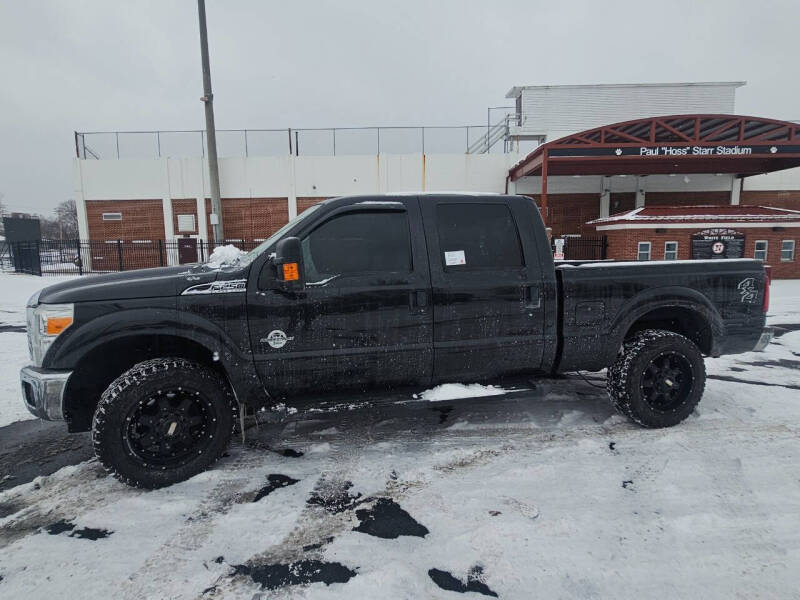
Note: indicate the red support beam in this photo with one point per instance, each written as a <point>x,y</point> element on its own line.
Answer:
<point>543,201</point>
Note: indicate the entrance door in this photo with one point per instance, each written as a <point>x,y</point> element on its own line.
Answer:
<point>187,250</point>
<point>488,307</point>
<point>364,317</point>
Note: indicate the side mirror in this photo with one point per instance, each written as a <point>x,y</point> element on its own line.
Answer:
<point>289,264</point>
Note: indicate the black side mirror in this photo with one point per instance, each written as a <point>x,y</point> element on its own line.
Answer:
<point>289,264</point>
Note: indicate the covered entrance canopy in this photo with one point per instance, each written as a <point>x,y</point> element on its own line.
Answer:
<point>665,145</point>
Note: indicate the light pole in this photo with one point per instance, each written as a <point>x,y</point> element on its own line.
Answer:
<point>211,133</point>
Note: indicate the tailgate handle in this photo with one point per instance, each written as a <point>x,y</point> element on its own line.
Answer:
<point>530,296</point>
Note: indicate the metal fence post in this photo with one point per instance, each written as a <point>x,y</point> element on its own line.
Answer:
<point>379,139</point>
<point>117,135</point>
<point>160,253</point>
<point>334,141</point>
<point>158,142</point>
<point>119,253</point>
<point>423,140</point>
<point>80,260</point>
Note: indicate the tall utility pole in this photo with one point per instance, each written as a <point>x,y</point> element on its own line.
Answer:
<point>211,132</point>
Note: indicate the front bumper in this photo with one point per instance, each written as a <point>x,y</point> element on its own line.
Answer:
<point>43,392</point>
<point>765,339</point>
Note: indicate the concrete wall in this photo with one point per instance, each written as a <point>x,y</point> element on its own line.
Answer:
<point>280,177</point>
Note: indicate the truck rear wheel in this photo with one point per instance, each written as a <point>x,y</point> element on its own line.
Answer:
<point>163,421</point>
<point>657,379</point>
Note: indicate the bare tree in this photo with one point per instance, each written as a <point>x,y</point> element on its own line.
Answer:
<point>2,214</point>
<point>67,218</point>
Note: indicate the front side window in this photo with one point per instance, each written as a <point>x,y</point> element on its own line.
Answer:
<point>787,250</point>
<point>643,251</point>
<point>670,250</point>
<point>478,236</point>
<point>761,250</point>
<point>358,242</point>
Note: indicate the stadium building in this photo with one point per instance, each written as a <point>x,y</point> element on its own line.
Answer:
<point>613,168</point>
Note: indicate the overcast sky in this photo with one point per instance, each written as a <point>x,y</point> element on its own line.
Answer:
<point>114,65</point>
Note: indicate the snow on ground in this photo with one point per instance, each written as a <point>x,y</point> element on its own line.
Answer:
<point>454,391</point>
<point>14,293</point>
<point>537,494</point>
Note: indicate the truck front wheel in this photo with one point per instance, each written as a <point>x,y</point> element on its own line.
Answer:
<point>163,421</point>
<point>657,379</point>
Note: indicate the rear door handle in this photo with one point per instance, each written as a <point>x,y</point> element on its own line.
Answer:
<point>531,296</point>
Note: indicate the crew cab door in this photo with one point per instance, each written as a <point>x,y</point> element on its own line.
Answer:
<point>488,313</point>
<point>364,316</point>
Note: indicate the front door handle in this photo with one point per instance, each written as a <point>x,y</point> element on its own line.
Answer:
<point>417,301</point>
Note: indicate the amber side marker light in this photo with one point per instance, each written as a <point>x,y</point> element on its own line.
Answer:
<point>291,272</point>
<point>56,325</point>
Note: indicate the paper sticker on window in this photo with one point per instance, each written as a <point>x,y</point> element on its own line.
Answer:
<point>456,257</point>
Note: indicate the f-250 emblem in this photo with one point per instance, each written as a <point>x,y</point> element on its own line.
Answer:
<point>276,339</point>
<point>747,288</point>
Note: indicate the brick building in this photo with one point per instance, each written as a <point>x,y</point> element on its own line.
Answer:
<point>705,232</point>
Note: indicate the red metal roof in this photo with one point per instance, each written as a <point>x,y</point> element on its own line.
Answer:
<point>727,213</point>
<point>670,144</point>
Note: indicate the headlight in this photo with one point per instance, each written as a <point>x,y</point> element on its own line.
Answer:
<point>45,323</point>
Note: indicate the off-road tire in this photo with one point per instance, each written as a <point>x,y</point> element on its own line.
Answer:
<point>142,380</point>
<point>626,377</point>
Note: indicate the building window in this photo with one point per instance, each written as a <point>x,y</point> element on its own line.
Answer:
<point>643,251</point>
<point>112,216</point>
<point>761,250</point>
<point>670,250</point>
<point>787,250</point>
<point>186,223</point>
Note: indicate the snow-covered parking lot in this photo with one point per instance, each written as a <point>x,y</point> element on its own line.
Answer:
<point>539,492</point>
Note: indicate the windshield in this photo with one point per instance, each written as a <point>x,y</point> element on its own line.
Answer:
<point>246,259</point>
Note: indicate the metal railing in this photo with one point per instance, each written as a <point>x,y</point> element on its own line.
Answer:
<point>85,257</point>
<point>332,141</point>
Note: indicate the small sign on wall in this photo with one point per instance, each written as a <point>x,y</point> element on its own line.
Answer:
<point>558,253</point>
<point>717,243</point>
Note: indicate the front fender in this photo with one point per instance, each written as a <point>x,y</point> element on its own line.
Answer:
<point>111,325</point>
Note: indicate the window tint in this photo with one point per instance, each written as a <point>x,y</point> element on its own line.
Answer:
<point>644,251</point>
<point>359,242</point>
<point>474,236</point>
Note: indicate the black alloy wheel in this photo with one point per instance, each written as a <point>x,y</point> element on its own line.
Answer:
<point>667,381</point>
<point>169,428</point>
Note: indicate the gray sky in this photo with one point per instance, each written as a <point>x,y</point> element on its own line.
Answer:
<point>105,65</point>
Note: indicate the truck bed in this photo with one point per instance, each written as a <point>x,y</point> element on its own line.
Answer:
<point>717,303</point>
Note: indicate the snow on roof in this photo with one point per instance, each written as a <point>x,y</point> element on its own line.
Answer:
<point>701,213</point>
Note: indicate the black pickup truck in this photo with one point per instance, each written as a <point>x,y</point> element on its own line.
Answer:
<point>363,292</point>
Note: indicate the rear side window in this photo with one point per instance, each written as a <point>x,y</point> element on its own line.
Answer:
<point>359,242</point>
<point>478,236</point>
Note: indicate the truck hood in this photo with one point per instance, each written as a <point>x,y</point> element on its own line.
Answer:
<point>143,283</point>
